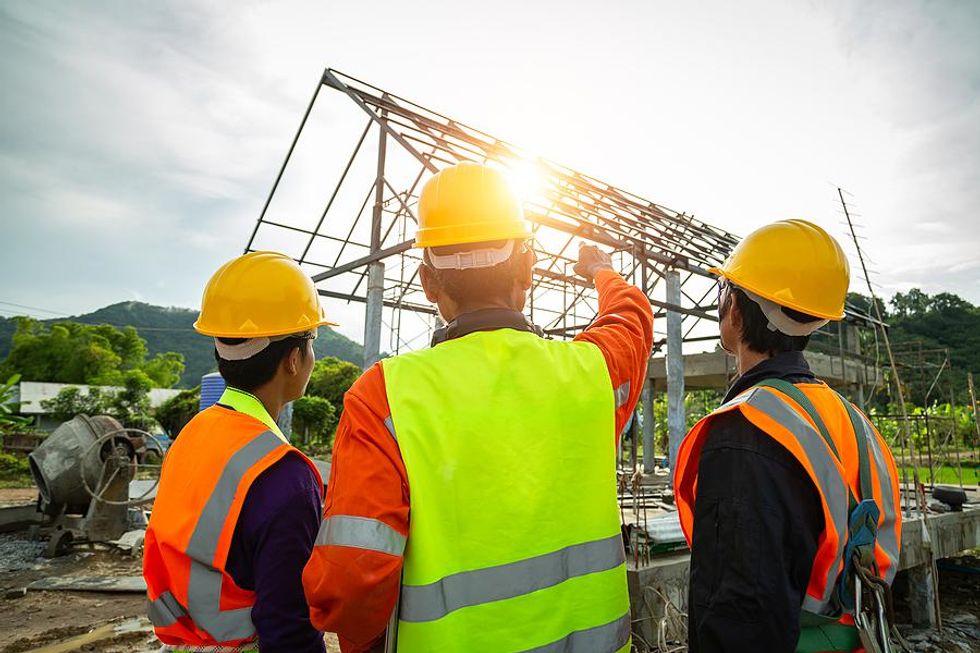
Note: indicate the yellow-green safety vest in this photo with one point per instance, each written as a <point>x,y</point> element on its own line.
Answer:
<point>514,537</point>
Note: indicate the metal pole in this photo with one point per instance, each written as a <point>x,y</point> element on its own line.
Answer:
<point>376,270</point>
<point>976,423</point>
<point>676,424</point>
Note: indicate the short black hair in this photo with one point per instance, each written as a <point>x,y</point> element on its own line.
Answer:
<point>755,326</point>
<point>258,370</point>
<point>493,283</point>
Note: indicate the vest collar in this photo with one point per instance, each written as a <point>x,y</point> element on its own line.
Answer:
<point>249,404</point>
<point>488,319</point>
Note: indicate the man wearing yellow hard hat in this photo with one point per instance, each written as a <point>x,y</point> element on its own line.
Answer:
<point>238,508</point>
<point>787,494</point>
<point>476,479</point>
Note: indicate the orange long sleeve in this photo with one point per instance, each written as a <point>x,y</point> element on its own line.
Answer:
<point>623,330</point>
<point>352,581</point>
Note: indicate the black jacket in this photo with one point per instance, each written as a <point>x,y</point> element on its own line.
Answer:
<point>757,519</point>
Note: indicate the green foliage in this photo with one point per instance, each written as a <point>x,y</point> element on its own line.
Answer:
<point>954,426</point>
<point>9,422</point>
<point>130,404</point>
<point>174,413</point>
<point>72,401</point>
<point>14,471</point>
<point>71,352</point>
<point>697,404</point>
<point>171,330</point>
<point>331,378</point>
<point>314,419</point>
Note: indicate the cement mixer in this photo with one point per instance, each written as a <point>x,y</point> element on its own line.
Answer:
<point>82,472</point>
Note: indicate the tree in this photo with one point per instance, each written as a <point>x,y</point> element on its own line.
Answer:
<point>174,413</point>
<point>315,418</point>
<point>72,401</point>
<point>331,378</point>
<point>73,353</point>
<point>131,405</point>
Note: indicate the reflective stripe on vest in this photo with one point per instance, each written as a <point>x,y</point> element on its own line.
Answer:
<point>887,526</point>
<point>436,600</point>
<point>360,533</point>
<point>204,585</point>
<point>514,539</point>
<point>828,477</point>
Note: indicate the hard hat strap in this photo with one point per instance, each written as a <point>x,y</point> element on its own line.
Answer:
<point>476,258</point>
<point>779,321</point>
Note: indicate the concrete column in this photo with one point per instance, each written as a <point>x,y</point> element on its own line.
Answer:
<point>854,345</point>
<point>676,424</point>
<point>649,425</point>
<point>372,315</point>
<point>376,270</point>
<point>922,596</point>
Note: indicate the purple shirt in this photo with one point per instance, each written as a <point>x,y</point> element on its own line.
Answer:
<point>273,540</point>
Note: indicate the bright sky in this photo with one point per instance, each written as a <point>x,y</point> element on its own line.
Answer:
<point>139,139</point>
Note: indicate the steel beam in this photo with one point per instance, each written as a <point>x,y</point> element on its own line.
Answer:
<point>676,424</point>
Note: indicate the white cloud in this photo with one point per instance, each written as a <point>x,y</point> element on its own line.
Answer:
<point>155,131</point>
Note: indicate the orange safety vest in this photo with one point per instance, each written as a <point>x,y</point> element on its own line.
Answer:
<point>192,600</point>
<point>834,467</point>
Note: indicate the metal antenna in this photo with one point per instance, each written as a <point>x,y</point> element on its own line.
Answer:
<point>906,436</point>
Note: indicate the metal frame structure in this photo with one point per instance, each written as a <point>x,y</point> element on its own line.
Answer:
<point>650,242</point>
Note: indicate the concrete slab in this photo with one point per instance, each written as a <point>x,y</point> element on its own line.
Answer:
<point>134,584</point>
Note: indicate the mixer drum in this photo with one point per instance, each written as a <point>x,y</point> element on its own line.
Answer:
<point>57,465</point>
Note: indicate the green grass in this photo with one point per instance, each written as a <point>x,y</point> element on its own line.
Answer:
<point>944,475</point>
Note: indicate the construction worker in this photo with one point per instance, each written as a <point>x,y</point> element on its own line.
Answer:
<point>787,488</point>
<point>238,508</point>
<point>476,479</point>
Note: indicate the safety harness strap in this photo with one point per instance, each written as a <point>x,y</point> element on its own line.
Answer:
<point>864,464</point>
<point>797,395</point>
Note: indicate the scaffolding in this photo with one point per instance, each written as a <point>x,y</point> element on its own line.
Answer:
<point>361,251</point>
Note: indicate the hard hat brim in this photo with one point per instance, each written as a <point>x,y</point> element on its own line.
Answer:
<point>206,330</point>
<point>472,233</point>
<point>721,272</point>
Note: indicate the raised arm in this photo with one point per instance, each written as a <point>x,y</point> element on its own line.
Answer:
<point>623,330</point>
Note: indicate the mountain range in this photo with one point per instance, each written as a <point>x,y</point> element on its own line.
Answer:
<point>171,329</point>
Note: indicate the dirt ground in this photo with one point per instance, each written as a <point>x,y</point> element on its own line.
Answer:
<point>17,496</point>
<point>63,622</point>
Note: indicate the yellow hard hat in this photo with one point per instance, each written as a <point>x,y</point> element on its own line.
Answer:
<point>793,263</point>
<point>469,203</point>
<point>259,294</point>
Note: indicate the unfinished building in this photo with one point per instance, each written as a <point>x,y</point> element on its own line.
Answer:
<point>357,245</point>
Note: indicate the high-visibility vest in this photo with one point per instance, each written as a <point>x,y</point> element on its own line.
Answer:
<point>834,467</point>
<point>514,538</point>
<point>192,599</point>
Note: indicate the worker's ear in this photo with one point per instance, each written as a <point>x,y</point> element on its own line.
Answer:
<point>294,361</point>
<point>734,313</point>
<point>528,259</point>
<point>430,284</point>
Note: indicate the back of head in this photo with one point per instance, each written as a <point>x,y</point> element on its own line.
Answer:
<point>472,230</point>
<point>258,308</point>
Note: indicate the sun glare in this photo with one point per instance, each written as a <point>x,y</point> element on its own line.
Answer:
<point>526,177</point>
